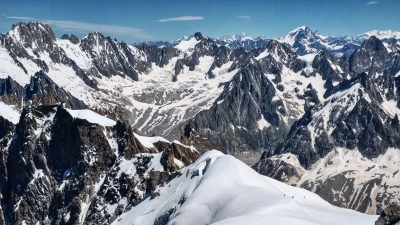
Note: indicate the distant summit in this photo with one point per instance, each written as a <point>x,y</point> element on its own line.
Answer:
<point>302,40</point>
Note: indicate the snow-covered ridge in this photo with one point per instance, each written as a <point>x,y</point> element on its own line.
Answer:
<point>9,113</point>
<point>238,37</point>
<point>219,189</point>
<point>380,34</point>
<point>149,142</point>
<point>91,117</point>
<point>311,41</point>
<point>187,45</point>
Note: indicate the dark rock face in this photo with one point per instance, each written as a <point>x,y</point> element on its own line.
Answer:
<point>391,215</point>
<point>40,35</point>
<point>6,133</point>
<point>322,63</point>
<point>43,91</point>
<point>160,56</point>
<point>245,101</point>
<point>349,198</point>
<point>11,92</point>
<point>40,91</point>
<point>56,169</point>
<point>108,58</point>
<point>286,56</point>
<point>39,164</point>
<point>173,150</point>
<point>277,169</point>
<point>356,124</point>
<point>352,116</point>
<point>73,39</point>
<point>191,137</point>
<point>369,58</point>
<point>128,146</point>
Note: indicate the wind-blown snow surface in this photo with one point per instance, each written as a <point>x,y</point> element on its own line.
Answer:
<point>92,117</point>
<point>10,68</point>
<point>187,45</point>
<point>219,189</point>
<point>9,113</point>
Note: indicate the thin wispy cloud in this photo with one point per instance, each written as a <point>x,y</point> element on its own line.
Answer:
<point>244,17</point>
<point>19,17</point>
<point>372,3</point>
<point>90,27</point>
<point>82,27</point>
<point>182,18</point>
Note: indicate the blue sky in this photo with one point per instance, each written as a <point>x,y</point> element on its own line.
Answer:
<point>133,21</point>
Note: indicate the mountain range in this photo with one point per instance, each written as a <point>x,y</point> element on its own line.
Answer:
<point>303,41</point>
<point>320,113</point>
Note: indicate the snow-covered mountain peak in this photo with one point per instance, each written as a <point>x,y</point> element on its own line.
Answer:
<point>373,44</point>
<point>184,38</point>
<point>187,45</point>
<point>33,35</point>
<point>236,37</point>
<point>303,31</point>
<point>385,34</point>
<point>299,29</point>
<point>219,189</point>
<point>94,35</point>
<point>199,36</point>
<point>302,40</point>
<point>32,26</point>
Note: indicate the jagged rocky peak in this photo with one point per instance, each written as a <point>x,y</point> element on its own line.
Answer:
<point>302,32</point>
<point>11,92</point>
<point>285,55</point>
<point>43,91</point>
<point>353,128</point>
<point>280,50</point>
<point>113,58</point>
<point>328,66</point>
<point>369,58</point>
<point>205,46</point>
<point>73,38</point>
<point>373,44</point>
<point>94,43</point>
<point>76,164</point>
<point>34,35</point>
<point>303,41</point>
<point>199,36</point>
<point>299,36</point>
<point>65,37</point>
<point>342,120</point>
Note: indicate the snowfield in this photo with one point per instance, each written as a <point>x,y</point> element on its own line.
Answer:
<point>9,113</point>
<point>92,117</point>
<point>219,189</point>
